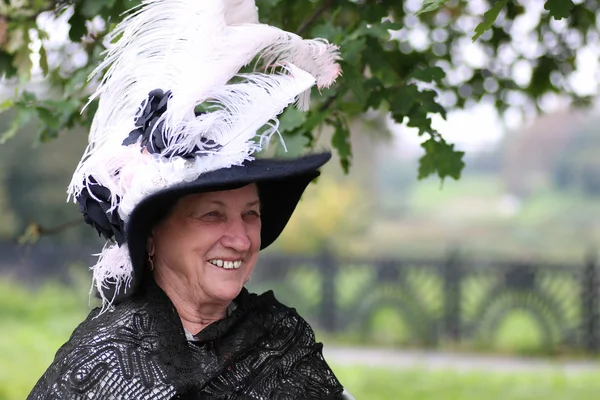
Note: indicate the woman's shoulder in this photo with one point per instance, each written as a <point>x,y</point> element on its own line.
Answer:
<point>101,354</point>
<point>268,303</point>
<point>267,300</point>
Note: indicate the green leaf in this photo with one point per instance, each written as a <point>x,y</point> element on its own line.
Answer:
<point>22,117</point>
<point>353,77</point>
<point>431,5</point>
<point>429,74</point>
<point>6,104</point>
<point>417,118</point>
<point>351,50</point>
<point>429,103</point>
<point>46,134</point>
<point>42,34</point>
<point>78,27</point>
<point>351,108</point>
<point>267,3</point>
<point>7,69</point>
<point>402,101</point>
<point>28,97</point>
<point>377,94</point>
<point>341,142</point>
<point>328,31</point>
<point>47,117</point>
<point>379,30</point>
<point>44,60</point>
<point>559,9</point>
<point>22,61</point>
<point>489,17</point>
<point>313,120</point>
<point>291,119</point>
<point>91,9</point>
<point>440,157</point>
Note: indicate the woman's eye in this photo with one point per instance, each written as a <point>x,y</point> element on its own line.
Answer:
<point>212,214</point>
<point>253,214</point>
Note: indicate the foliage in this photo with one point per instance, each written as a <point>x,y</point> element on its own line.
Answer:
<point>328,211</point>
<point>382,69</point>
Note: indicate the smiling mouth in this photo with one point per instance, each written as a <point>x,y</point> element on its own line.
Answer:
<point>226,264</point>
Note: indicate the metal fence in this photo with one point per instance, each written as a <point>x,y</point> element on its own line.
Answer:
<point>441,300</point>
<point>455,299</point>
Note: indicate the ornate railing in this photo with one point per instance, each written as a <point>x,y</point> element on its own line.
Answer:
<point>451,300</point>
<point>456,299</point>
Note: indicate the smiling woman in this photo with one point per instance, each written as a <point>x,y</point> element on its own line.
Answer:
<point>204,252</point>
<point>186,208</point>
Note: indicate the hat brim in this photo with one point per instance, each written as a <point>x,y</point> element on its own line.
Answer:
<point>281,183</point>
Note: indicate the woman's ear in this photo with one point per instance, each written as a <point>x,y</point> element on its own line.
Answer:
<point>150,244</point>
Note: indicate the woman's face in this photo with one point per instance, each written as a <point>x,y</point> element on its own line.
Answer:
<point>210,242</point>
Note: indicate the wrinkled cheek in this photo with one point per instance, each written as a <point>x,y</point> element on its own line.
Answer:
<point>248,271</point>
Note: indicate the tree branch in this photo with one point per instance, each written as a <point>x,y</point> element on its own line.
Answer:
<point>34,231</point>
<point>59,228</point>
<point>313,17</point>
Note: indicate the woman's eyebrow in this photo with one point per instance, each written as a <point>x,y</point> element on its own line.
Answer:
<point>249,204</point>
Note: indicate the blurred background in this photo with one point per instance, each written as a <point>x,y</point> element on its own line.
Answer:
<point>486,286</point>
<point>500,263</point>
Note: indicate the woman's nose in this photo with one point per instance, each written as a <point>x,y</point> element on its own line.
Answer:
<point>236,236</point>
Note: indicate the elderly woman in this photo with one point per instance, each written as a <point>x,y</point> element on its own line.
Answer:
<point>185,207</point>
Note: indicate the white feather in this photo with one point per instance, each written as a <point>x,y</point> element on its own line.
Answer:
<point>241,12</point>
<point>112,268</point>
<point>240,112</point>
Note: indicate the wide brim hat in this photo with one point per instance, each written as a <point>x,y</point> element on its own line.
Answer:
<point>186,120</point>
<point>280,183</point>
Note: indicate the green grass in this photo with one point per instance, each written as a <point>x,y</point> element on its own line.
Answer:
<point>34,324</point>
<point>421,384</point>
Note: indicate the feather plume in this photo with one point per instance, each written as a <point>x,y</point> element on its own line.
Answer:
<point>113,268</point>
<point>241,12</point>
<point>193,48</point>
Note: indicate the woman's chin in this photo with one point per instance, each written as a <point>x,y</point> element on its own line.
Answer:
<point>226,291</point>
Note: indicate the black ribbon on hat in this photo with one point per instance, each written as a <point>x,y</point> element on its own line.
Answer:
<point>150,130</point>
<point>94,204</point>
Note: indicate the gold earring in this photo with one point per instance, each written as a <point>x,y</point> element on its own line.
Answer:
<point>151,262</point>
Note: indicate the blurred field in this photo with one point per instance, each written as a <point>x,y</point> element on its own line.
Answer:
<point>478,215</point>
<point>415,384</point>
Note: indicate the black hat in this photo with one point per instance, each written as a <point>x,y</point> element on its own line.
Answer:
<point>280,183</point>
<point>176,117</point>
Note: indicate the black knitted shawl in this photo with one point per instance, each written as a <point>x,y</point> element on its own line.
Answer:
<point>262,350</point>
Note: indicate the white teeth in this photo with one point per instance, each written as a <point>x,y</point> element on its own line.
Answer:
<point>226,264</point>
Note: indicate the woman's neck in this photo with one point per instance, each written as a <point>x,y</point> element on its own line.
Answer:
<point>195,311</point>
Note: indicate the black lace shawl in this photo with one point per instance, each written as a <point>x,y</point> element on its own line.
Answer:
<point>262,350</point>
